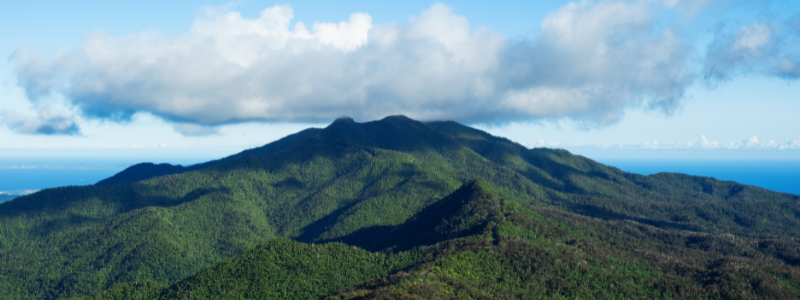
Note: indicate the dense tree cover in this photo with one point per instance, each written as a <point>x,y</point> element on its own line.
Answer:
<point>566,226</point>
<point>278,269</point>
<point>535,252</point>
<point>472,244</point>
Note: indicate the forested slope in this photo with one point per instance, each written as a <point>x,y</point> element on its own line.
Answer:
<point>371,185</point>
<point>473,244</point>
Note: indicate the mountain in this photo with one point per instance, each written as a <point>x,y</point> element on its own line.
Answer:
<point>400,208</point>
<point>7,197</point>
<point>144,171</point>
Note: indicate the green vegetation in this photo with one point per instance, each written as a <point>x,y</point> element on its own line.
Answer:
<point>374,210</point>
<point>539,252</point>
<point>278,269</point>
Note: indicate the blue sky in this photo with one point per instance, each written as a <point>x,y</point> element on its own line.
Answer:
<point>640,78</point>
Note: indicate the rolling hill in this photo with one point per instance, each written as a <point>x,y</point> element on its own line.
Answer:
<point>398,208</point>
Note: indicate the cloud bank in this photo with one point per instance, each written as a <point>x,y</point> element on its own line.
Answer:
<point>702,143</point>
<point>751,143</point>
<point>589,62</point>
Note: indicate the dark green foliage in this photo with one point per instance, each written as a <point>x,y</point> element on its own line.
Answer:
<point>556,255</point>
<point>284,269</point>
<point>465,212</point>
<point>143,289</point>
<point>566,226</point>
<point>511,251</point>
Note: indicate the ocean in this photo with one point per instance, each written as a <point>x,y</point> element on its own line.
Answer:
<point>777,175</point>
<point>23,175</point>
<point>13,180</point>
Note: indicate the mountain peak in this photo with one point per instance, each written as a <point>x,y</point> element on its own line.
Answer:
<point>397,118</point>
<point>344,119</point>
<point>397,132</point>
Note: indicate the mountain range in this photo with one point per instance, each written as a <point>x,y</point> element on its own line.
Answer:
<point>400,209</point>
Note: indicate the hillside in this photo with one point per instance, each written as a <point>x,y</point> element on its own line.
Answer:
<point>7,197</point>
<point>539,222</point>
<point>472,244</point>
<point>319,270</point>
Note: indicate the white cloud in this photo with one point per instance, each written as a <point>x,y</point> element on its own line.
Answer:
<point>194,129</point>
<point>758,47</point>
<point>752,37</point>
<point>771,144</point>
<point>653,145</point>
<point>754,143</point>
<point>751,143</point>
<point>47,121</point>
<point>591,61</point>
<point>246,41</point>
<point>791,144</point>
<point>703,142</point>
<point>731,53</point>
<point>18,192</point>
<point>690,7</point>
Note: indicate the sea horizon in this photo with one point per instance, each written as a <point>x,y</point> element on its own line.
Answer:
<point>25,175</point>
<point>779,175</point>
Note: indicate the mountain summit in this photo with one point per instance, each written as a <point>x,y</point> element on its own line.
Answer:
<point>398,208</point>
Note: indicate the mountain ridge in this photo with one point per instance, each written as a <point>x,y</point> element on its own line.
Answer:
<point>354,183</point>
<point>144,171</point>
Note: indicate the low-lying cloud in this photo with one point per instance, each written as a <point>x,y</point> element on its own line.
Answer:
<point>589,62</point>
<point>46,121</point>
<point>751,143</point>
<point>195,129</point>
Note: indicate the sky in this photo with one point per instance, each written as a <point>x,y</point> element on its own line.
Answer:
<point>702,79</point>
